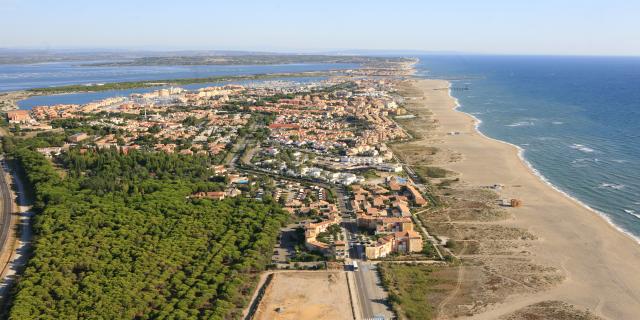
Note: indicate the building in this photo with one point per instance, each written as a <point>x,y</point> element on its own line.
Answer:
<point>338,249</point>
<point>18,116</point>
<point>404,242</point>
<point>417,197</point>
<point>407,242</point>
<point>214,195</point>
<point>380,249</point>
<point>390,167</point>
<point>284,126</point>
<point>361,160</point>
<point>78,137</point>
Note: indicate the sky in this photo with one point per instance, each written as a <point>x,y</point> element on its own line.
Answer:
<point>570,27</point>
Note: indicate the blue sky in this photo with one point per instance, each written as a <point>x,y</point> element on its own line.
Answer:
<point>488,26</point>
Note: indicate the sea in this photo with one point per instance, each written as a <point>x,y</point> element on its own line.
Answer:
<point>576,119</point>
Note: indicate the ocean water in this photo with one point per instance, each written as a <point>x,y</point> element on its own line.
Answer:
<point>25,76</point>
<point>576,118</point>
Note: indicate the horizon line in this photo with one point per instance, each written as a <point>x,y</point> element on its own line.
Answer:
<point>63,49</point>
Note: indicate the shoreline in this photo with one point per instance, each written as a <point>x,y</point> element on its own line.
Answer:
<point>536,172</point>
<point>599,264</point>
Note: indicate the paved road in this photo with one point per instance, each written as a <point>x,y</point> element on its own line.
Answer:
<point>6,209</point>
<point>23,246</point>
<point>363,292</point>
<point>372,296</point>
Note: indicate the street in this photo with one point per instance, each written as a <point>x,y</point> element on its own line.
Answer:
<point>373,298</point>
<point>7,202</point>
<point>370,293</point>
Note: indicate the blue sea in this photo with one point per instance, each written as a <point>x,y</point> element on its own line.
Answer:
<point>576,118</point>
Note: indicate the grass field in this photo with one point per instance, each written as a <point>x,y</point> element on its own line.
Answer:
<point>414,289</point>
<point>431,172</point>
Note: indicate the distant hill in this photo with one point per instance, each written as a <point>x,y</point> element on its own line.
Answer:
<point>185,57</point>
<point>246,59</point>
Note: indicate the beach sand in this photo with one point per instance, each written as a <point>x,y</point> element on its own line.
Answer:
<point>600,265</point>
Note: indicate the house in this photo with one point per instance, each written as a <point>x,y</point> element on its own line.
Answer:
<point>407,241</point>
<point>400,209</point>
<point>78,137</point>
<point>372,211</point>
<point>380,249</point>
<point>18,116</point>
<point>313,229</point>
<point>417,197</point>
<point>186,152</point>
<point>390,167</point>
<point>214,195</point>
<point>284,126</point>
<point>233,192</point>
<point>394,185</point>
<point>219,169</point>
<point>48,152</point>
<point>378,202</point>
<point>340,249</point>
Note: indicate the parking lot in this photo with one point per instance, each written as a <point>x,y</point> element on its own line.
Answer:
<point>285,248</point>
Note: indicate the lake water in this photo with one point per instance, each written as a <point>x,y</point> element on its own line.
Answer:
<point>86,97</point>
<point>26,76</point>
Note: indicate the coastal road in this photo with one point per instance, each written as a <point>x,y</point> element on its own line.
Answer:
<point>371,294</point>
<point>363,293</point>
<point>7,205</point>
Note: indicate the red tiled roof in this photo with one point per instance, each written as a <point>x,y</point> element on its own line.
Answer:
<point>284,126</point>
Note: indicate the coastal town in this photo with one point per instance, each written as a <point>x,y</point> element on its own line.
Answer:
<point>320,149</point>
<point>310,139</point>
<point>349,174</point>
<point>321,160</point>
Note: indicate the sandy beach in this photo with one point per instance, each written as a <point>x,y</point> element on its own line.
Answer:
<point>599,264</point>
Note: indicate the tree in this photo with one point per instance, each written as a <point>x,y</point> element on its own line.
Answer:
<point>118,237</point>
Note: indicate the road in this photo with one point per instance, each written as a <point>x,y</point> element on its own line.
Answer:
<point>373,298</point>
<point>22,247</point>
<point>7,205</point>
<point>365,305</point>
<point>370,292</point>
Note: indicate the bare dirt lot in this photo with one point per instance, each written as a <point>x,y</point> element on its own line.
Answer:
<point>306,295</point>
